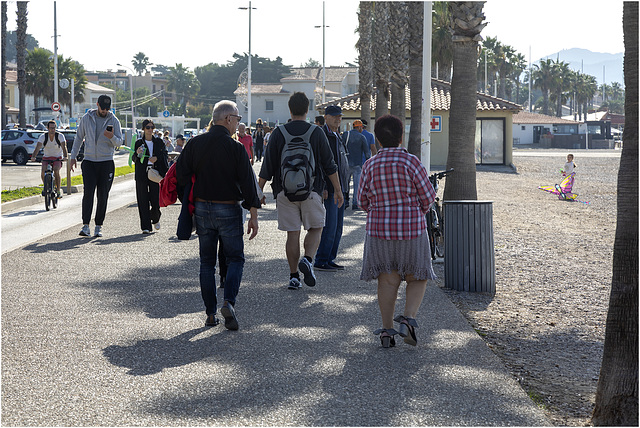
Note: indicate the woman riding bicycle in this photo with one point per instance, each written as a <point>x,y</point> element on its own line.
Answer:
<point>55,151</point>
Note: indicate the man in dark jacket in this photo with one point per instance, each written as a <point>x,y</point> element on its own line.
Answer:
<point>223,178</point>
<point>332,232</point>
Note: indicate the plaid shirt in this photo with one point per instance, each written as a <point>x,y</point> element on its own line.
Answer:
<point>396,193</point>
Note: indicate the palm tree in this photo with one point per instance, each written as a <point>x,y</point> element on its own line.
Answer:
<point>560,84</point>
<point>21,52</point>
<point>466,24</point>
<point>184,83</point>
<point>491,49</point>
<point>381,56</point>
<point>617,392</point>
<point>4,62</point>
<point>441,45</point>
<point>140,63</point>
<point>518,65</point>
<point>39,77</point>
<point>399,56</point>
<point>365,60</point>
<point>416,12</point>
<point>542,75</point>
<point>70,69</point>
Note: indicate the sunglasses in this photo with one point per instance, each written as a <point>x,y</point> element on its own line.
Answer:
<point>235,115</point>
<point>149,127</point>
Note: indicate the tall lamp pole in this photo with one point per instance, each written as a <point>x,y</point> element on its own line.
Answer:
<point>55,54</point>
<point>133,116</point>
<point>324,70</point>
<point>249,69</point>
<point>425,147</point>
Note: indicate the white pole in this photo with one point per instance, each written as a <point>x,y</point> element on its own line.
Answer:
<point>73,94</point>
<point>133,116</point>
<point>425,128</point>
<point>55,55</point>
<point>324,75</point>
<point>529,78</point>
<point>249,76</point>
<point>485,71</point>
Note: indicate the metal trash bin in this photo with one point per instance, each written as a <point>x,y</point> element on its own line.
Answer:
<point>469,256</point>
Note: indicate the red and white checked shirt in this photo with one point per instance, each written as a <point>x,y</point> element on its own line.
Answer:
<point>396,193</point>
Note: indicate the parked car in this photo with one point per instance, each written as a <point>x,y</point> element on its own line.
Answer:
<point>19,144</point>
<point>70,136</point>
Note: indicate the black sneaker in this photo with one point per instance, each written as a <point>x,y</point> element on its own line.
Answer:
<point>325,267</point>
<point>211,321</point>
<point>307,270</point>
<point>335,266</point>
<point>229,314</point>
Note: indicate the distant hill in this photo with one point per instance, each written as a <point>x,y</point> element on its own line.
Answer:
<point>592,63</point>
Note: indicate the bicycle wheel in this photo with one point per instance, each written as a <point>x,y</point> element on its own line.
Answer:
<point>48,183</point>
<point>54,196</point>
<point>430,232</point>
<point>438,236</point>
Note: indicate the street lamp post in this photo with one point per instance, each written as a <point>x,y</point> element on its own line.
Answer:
<point>249,69</point>
<point>324,75</point>
<point>133,116</point>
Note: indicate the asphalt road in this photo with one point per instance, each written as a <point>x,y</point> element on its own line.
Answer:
<point>109,331</point>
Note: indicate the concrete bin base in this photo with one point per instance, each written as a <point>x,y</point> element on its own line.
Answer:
<point>469,260</point>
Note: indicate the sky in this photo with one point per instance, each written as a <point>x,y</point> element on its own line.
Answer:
<point>101,34</point>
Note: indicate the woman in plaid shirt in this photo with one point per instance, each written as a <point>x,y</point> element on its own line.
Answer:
<point>396,193</point>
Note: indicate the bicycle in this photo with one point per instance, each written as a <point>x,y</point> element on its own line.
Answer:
<point>435,218</point>
<point>49,192</point>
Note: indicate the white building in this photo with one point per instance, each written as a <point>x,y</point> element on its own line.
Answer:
<point>534,128</point>
<point>269,101</point>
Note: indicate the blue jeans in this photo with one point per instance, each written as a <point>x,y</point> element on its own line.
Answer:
<point>355,172</point>
<point>213,222</point>
<point>331,233</point>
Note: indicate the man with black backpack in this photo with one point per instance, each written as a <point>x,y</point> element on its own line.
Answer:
<point>297,159</point>
<point>54,152</point>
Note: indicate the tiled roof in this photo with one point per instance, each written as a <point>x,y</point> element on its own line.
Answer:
<point>525,117</point>
<point>440,100</point>
<point>332,74</point>
<point>265,88</point>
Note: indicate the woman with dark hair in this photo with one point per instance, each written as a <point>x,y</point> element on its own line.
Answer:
<point>396,193</point>
<point>149,152</point>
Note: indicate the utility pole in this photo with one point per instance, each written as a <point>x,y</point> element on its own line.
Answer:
<point>55,54</point>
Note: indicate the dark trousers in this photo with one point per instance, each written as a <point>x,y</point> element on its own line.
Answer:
<point>216,222</point>
<point>96,176</point>
<point>148,197</point>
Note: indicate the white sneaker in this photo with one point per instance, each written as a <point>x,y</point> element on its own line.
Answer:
<point>146,232</point>
<point>157,226</point>
<point>98,232</point>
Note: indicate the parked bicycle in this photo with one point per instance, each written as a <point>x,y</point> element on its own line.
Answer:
<point>435,218</point>
<point>49,193</point>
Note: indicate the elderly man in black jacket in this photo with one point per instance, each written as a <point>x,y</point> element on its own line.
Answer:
<point>224,178</point>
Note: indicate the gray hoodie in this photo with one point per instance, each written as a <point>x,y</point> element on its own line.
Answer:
<point>102,149</point>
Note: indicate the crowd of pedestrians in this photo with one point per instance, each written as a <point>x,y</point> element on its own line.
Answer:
<point>310,168</point>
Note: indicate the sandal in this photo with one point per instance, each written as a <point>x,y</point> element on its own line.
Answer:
<point>386,337</point>
<point>407,329</point>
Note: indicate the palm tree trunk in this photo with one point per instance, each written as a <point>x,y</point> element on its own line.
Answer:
<point>416,12</point>
<point>381,56</point>
<point>21,52</point>
<point>617,393</point>
<point>3,122</point>
<point>399,57</point>
<point>365,60</point>
<point>462,119</point>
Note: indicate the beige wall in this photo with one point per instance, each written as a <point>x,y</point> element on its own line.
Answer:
<point>440,140</point>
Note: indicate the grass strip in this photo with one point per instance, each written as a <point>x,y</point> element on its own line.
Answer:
<point>25,192</point>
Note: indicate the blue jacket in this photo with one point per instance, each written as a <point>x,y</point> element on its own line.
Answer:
<point>357,146</point>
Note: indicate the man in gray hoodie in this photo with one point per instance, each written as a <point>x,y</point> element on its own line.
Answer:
<point>100,131</point>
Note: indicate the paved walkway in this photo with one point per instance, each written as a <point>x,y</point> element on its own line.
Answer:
<point>109,331</point>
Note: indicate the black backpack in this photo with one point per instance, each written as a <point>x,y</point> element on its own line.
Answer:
<point>297,165</point>
<point>46,139</point>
